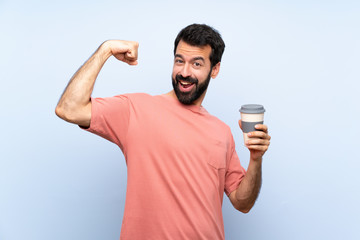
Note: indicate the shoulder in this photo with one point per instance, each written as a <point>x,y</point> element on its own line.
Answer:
<point>136,96</point>
<point>126,99</point>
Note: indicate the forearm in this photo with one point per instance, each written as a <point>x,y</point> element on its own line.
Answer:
<point>249,188</point>
<point>78,91</point>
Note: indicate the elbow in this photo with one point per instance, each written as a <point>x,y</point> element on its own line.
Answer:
<point>71,114</point>
<point>59,112</point>
<point>244,210</point>
<point>62,113</point>
<point>241,203</point>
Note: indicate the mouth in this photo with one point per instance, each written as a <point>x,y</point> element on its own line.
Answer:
<point>185,86</point>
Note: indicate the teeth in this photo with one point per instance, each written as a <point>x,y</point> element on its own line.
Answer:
<point>185,83</point>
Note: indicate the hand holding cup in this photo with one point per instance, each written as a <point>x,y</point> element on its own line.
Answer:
<point>256,137</point>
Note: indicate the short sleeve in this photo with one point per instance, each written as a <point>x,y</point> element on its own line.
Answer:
<point>234,171</point>
<point>110,118</point>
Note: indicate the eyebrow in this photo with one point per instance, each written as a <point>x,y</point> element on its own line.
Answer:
<point>194,59</point>
<point>199,58</point>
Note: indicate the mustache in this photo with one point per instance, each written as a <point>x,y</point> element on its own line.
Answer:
<point>187,79</point>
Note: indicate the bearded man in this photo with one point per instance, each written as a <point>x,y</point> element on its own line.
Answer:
<point>180,159</point>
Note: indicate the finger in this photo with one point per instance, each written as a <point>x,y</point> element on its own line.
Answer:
<point>135,45</point>
<point>119,56</point>
<point>262,148</point>
<point>261,127</point>
<point>258,141</point>
<point>133,52</point>
<point>258,134</point>
<point>240,125</point>
<point>131,62</point>
<point>131,55</point>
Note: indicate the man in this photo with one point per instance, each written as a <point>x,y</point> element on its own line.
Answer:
<point>180,159</point>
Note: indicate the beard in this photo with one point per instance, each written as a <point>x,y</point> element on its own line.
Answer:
<point>188,98</point>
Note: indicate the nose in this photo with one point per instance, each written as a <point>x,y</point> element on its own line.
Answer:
<point>185,71</point>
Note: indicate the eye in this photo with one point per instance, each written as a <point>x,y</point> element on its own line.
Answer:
<point>179,61</point>
<point>197,64</point>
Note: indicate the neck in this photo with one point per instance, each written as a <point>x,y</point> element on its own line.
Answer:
<point>197,102</point>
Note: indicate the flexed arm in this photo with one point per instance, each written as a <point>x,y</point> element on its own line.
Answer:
<point>74,105</point>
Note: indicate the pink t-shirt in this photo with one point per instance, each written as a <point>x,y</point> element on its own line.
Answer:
<point>180,160</point>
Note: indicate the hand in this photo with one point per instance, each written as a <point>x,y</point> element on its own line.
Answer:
<point>258,142</point>
<point>125,51</point>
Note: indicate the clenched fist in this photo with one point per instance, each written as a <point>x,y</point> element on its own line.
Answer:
<point>125,51</point>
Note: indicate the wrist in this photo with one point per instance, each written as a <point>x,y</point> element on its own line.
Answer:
<point>105,50</point>
<point>256,159</point>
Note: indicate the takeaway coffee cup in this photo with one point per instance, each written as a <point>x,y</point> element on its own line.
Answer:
<point>251,114</point>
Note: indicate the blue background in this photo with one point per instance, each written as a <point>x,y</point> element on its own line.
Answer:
<point>300,59</point>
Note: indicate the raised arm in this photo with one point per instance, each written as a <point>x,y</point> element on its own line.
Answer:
<point>74,105</point>
<point>244,197</point>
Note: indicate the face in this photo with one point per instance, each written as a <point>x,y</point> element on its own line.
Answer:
<point>192,72</point>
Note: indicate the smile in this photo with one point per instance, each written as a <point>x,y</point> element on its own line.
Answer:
<point>185,86</point>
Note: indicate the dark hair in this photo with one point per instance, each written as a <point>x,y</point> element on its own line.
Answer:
<point>202,35</point>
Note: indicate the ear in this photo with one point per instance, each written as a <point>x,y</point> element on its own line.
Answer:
<point>215,70</point>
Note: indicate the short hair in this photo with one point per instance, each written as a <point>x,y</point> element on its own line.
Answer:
<point>202,35</point>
